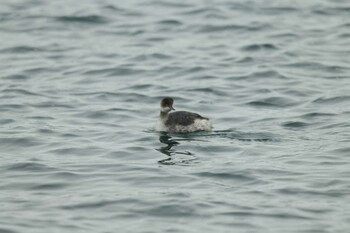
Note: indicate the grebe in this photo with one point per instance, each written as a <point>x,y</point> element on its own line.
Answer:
<point>180,121</point>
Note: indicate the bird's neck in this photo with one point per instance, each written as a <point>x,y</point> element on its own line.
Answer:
<point>163,115</point>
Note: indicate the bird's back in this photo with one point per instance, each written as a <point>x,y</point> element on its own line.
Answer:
<point>183,118</point>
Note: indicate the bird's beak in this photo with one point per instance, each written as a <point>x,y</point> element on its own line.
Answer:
<point>172,108</point>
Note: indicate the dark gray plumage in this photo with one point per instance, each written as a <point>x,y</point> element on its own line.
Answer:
<point>181,121</point>
<point>182,118</point>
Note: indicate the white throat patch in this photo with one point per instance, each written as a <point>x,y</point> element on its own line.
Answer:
<point>166,109</point>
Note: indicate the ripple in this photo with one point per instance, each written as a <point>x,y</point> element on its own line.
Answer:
<point>96,114</point>
<point>152,56</point>
<point>313,115</point>
<point>249,60</point>
<point>176,159</point>
<point>65,175</point>
<point>117,71</point>
<point>49,186</point>
<point>6,121</point>
<point>334,69</point>
<point>222,28</point>
<point>21,49</point>
<point>300,191</point>
<point>20,91</point>
<point>4,230</point>
<point>170,22</point>
<point>268,215</point>
<point>332,100</point>
<point>170,210</point>
<point>77,151</point>
<point>260,74</point>
<point>169,4</point>
<point>29,166</point>
<point>19,142</point>
<point>52,104</point>
<point>327,11</point>
<point>342,151</point>
<point>17,77</point>
<point>281,9</point>
<point>245,136</point>
<point>13,107</point>
<point>87,19</point>
<point>295,124</point>
<point>100,204</point>
<point>227,175</point>
<point>280,102</point>
<point>258,47</point>
<point>207,90</point>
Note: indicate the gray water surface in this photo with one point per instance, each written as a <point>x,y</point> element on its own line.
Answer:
<point>80,86</point>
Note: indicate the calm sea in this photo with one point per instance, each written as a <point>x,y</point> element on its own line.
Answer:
<point>80,86</point>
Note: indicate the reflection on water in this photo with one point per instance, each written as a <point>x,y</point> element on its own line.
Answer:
<point>175,140</point>
<point>164,138</point>
<point>169,151</point>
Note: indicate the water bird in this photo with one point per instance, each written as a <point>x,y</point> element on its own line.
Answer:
<point>180,121</point>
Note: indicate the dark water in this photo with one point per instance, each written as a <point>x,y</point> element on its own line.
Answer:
<point>80,85</point>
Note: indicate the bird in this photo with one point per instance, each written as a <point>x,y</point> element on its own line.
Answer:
<point>180,121</point>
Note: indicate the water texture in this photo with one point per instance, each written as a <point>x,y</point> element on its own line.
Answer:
<point>80,86</point>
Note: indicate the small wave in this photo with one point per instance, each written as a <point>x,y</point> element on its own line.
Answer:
<point>222,28</point>
<point>95,114</point>
<point>267,215</point>
<point>249,60</point>
<point>118,71</point>
<point>343,151</point>
<point>206,12</point>
<point>20,91</point>
<point>170,22</point>
<point>279,102</point>
<point>317,114</point>
<point>258,47</point>
<point>345,36</point>
<point>227,175</point>
<point>285,35</point>
<point>229,134</point>
<point>4,230</point>
<point>332,100</point>
<point>114,8</point>
<point>169,210</point>
<point>313,193</point>
<point>49,186</point>
<point>259,75</point>
<point>177,158</point>
<point>29,166</point>
<point>247,136</point>
<point>151,56</point>
<point>295,124</point>
<point>168,4</point>
<point>335,11</point>
<point>77,151</point>
<point>208,90</point>
<point>22,49</point>
<point>90,205</point>
<point>52,104</point>
<point>18,142</point>
<point>88,19</point>
<point>334,69</point>
<point>6,121</point>
<point>141,87</point>
<point>65,175</point>
<point>13,107</point>
<point>17,77</point>
<point>280,10</point>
